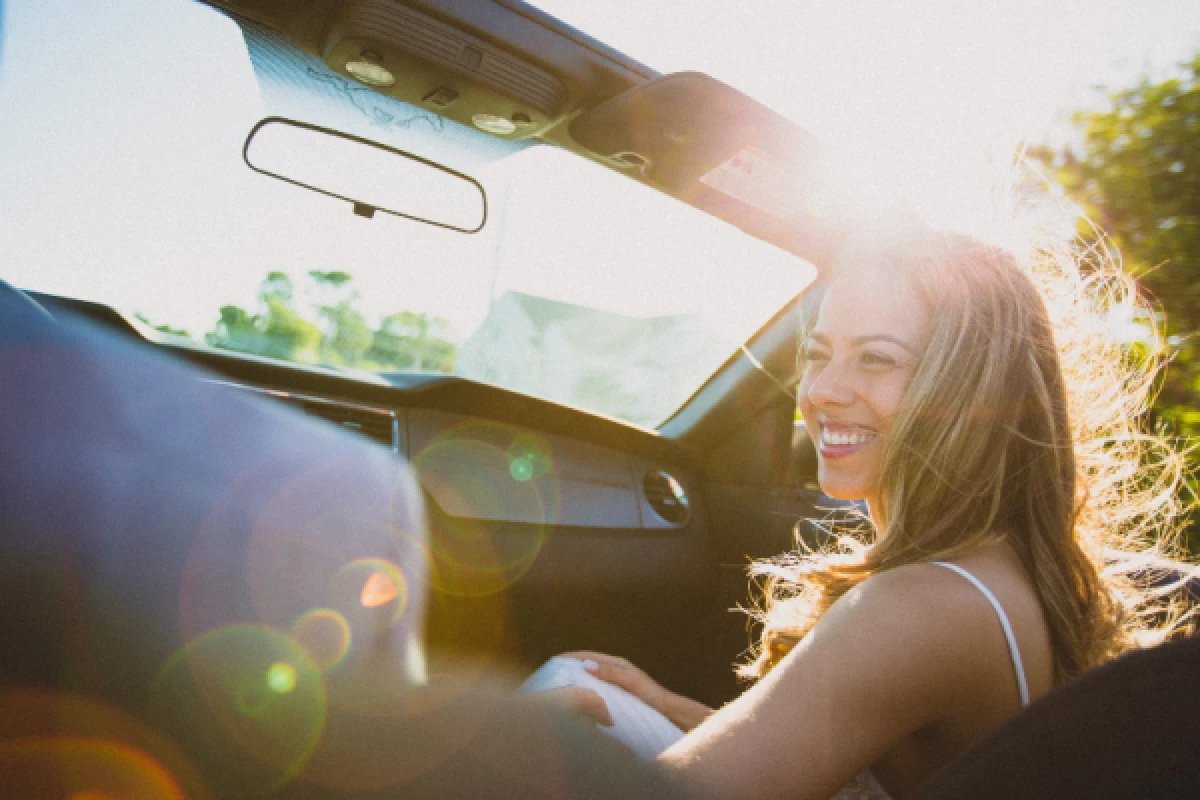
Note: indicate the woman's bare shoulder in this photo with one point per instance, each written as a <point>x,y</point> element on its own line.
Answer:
<point>929,622</point>
<point>929,594</point>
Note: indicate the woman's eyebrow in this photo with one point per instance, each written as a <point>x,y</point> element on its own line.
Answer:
<point>822,339</point>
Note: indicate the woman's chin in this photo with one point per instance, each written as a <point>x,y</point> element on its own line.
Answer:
<point>843,495</point>
<point>849,491</point>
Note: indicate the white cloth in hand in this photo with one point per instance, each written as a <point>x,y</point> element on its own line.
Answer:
<point>639,727</point>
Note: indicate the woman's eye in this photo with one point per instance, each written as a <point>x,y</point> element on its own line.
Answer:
<point>877,360</point>
<point>813,356</point>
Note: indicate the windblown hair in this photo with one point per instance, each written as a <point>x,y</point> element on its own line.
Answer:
<point>1024,421</point>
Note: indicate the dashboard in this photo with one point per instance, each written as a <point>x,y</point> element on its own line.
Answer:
<point>535,477</point>
<point>458,433</point>
<point>549,528</point>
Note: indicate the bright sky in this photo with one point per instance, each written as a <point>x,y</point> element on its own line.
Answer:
<point>931,95</point>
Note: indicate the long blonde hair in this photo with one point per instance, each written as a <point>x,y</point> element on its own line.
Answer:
<point>1022,421</point>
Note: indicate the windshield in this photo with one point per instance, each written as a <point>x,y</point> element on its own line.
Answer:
<point>123,183</point>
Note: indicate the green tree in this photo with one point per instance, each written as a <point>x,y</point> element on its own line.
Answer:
<point>1135,171</point>
<point>413,341</point>
<point>333,329</point>
<point>278,331</point>
<point>163,327</point>
<point>347,336</point>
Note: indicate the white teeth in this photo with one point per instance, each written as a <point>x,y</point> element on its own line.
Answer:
<point>845,438</point>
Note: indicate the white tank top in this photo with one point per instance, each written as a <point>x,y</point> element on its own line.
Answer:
<point>865,786</point>
<point>1014,652</point>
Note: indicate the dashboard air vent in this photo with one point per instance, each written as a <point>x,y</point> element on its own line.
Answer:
<point>378,425</point>
<point>666,496</point>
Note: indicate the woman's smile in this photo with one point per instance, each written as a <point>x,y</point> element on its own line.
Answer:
<point>840,439</point>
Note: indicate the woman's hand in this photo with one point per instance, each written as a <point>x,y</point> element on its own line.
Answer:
<point>683,712</point>
<point>576,700</point>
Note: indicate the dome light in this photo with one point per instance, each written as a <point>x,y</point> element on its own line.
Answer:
<point>494,124</point>
<point>369,69</point>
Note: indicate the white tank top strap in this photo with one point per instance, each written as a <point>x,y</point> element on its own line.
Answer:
<point>1013,651</point>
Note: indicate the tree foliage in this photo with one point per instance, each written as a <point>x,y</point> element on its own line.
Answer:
<point>161,327</point>
<point>1135,171</point>
<point>333,329</point>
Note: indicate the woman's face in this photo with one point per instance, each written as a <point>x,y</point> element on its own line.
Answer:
<point>861,355</point>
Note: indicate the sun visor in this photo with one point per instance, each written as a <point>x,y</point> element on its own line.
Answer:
<point>690,131</point>
<point>716,148</point>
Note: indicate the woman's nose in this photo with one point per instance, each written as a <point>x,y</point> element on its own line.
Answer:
<point>831,386</point>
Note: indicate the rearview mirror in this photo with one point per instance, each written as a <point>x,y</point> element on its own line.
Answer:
<point>371,176</point>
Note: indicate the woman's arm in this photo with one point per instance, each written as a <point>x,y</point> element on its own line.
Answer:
<point>683,712</point>
<point>888,659</point>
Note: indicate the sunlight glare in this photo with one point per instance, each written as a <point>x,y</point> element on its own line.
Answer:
<point>930,97</point>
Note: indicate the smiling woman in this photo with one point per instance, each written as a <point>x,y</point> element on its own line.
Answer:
<point>286,596</point>
<point>991,425</point>
<point>967,415</point>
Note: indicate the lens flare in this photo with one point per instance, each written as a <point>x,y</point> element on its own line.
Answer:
<point>54,744</point>
<point>306,525</point>
<point>249,699</point>
<point>281,677</point>
<point>520,468</point>
<point>370,593</point>
<point>378,590</point>
<point>494,494</point>
<point>82,767</point>
<point>325,636</point>
<point>533,453</point>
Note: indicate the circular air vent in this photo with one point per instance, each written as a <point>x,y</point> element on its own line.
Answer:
<point>666,497</point>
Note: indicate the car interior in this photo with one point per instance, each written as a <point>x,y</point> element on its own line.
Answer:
<point>615,509</point>
<point>623,538</point>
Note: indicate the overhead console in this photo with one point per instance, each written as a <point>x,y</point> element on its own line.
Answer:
<point>416,58</point>
<point>502,67</point>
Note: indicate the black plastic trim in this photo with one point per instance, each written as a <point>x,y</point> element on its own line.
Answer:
<point>577,36</point>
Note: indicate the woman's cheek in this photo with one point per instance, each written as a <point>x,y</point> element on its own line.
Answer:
<point>891,396</point>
